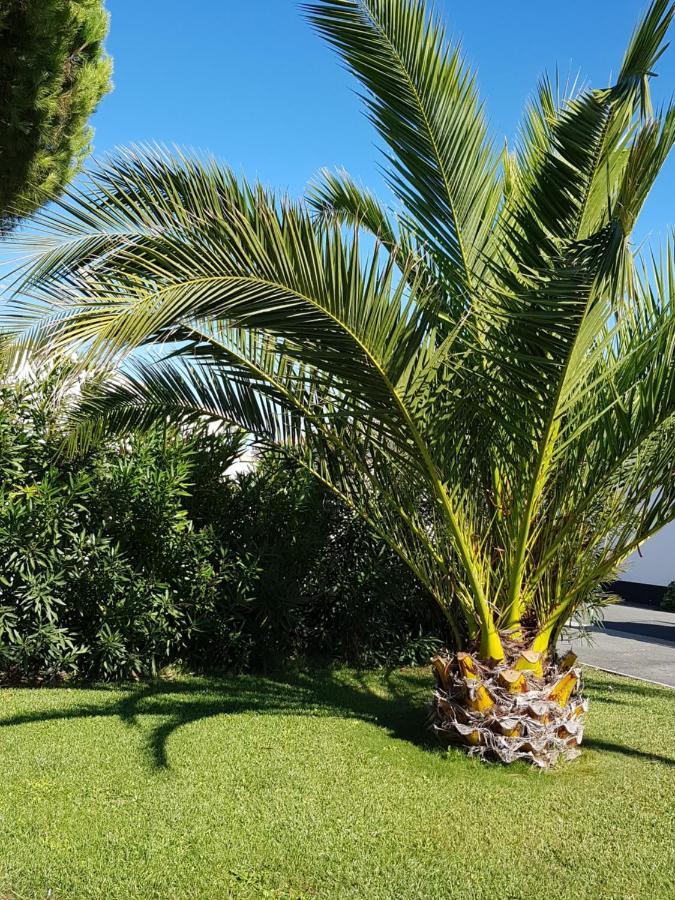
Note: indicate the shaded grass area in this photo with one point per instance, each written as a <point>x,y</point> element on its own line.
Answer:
<point>322,784</point>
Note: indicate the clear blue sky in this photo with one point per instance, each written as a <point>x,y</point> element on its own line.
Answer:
<point>250,82</point>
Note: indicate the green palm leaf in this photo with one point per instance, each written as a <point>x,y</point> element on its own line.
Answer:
<point>424,103</point>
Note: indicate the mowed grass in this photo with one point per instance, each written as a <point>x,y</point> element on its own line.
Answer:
<point>322,784</point>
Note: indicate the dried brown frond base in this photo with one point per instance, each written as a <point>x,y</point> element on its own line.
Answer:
<point>513,711</point>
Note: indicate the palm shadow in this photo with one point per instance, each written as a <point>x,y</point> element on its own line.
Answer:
<point>625,692</point>
<point>315,694</point>
<point>623,750</point>
<point>623,689</point>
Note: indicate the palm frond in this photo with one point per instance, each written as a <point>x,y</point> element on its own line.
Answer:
<point>423,100</point>
<point>335,196</point>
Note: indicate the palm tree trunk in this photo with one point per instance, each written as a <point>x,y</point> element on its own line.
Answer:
<point>522,708</point>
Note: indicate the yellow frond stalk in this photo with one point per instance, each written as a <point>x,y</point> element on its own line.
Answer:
<point>529,661</point>
<point>479,698</point>
<point>514,682</point>
<point>440,667</point>
<point>562,690</point>
<point>491,646</point>
<point>467,665</point>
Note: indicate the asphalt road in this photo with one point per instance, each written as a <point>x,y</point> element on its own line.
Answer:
<point>636,641</point>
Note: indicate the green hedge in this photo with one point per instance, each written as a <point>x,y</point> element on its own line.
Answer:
<point>143,553</point>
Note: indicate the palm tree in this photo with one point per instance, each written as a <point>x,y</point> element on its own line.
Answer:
<point>489,383</point>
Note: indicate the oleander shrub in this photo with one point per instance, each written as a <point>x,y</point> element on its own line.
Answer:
<point>145,552</point>
<point>101,570</point>
<point>326,587</point>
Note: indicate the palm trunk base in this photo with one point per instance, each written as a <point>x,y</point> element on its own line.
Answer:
<point>506,712</point>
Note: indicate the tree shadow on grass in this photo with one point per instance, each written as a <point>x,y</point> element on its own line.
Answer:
<point>625,692</point>
<point>394,702</point>
<point>610,747</point>
<point>621,686</point>
<point>400,711</point>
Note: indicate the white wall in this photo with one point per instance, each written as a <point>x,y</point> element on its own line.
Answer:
<point>657,563</point>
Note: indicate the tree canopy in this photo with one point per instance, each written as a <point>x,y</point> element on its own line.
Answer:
<point>53,73</point>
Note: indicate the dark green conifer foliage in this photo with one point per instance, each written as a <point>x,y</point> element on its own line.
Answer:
<point>53,73</point>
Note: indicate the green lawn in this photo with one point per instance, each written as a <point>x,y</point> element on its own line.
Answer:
<point>322,785</point>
